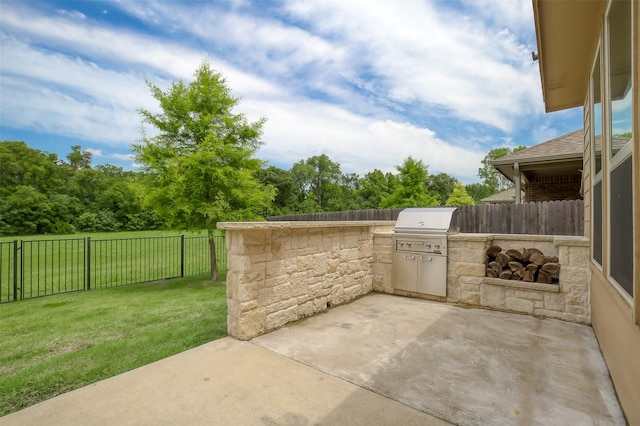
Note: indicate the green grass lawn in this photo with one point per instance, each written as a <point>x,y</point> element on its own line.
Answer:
<point>55,344</point>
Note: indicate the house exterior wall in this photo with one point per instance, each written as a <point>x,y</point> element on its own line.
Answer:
<point>551,188</point>
<point>614,320</point>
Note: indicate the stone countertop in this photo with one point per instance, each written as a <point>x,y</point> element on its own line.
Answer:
<point>247,226</point>
<point>556,239</point>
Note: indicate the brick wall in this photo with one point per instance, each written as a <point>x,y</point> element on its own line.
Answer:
<point>551,188</point>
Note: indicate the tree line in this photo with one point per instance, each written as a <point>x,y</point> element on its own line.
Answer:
<point>41,193</point>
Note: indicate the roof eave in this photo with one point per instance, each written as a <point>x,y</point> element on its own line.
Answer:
<point>537,160</point>
<point>566,34</point>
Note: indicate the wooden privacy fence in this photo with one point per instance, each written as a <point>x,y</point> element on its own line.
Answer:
<point>543,218</point>
<point>349,215</point>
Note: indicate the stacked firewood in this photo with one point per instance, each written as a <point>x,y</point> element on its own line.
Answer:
<point>527,265</point>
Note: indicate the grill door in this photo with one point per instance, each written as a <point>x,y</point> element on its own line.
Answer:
<point>432,274</point>
<point>404,271</point>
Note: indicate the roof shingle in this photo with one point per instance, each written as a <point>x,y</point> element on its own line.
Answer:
<point>565,146</point>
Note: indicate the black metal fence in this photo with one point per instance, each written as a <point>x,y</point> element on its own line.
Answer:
<point>43,267</point>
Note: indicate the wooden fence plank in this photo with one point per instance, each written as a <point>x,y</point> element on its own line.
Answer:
<point>543,218</point>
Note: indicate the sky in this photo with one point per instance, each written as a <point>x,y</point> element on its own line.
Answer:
<point>368,83</point>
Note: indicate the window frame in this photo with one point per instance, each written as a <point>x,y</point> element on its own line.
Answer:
<point>609,162</point>
<point>596,175</point>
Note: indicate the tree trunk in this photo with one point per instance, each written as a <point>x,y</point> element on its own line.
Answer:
<point>212,254</point>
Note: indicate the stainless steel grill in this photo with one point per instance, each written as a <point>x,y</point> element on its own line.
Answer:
<point>420,250</point>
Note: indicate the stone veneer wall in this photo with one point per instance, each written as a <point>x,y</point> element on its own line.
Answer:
<point>467,284</point>
<point>280,272</point>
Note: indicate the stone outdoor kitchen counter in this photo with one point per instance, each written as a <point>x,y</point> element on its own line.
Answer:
<point>280,272</point>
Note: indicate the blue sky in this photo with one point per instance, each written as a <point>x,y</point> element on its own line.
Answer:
<point>368,83</point>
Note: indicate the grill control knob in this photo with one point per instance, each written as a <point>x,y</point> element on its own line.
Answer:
<point>408,244</point>
<point>437,246</point>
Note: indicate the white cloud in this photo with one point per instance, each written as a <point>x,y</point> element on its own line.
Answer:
<point>72,97</point>
<point>72,13</point>
<point>28,105</point>
<point>437,58</point>
<point>514,14</point>
<point>298,130</point>
<point>544,133</point>
<point>123,157</point>
<point>74,75</point>
<point>414,54</point>
<point>121,48</point>
<point>94,152</point>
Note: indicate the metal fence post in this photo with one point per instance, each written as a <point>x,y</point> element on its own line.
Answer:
<point>88,252</point>
<point>182,256</point>
<point>15,270</point>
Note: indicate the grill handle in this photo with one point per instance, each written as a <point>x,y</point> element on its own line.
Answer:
<point>428,259</point>
<point>408,257</point>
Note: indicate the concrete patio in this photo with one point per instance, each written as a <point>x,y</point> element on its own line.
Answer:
<point>381,359</point>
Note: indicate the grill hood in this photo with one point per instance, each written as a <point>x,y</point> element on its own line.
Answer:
<point>426,220</point>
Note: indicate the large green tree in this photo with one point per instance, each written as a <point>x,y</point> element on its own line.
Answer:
<point>281,180</point>
<point>459,197</point>
<point>200,164</point>
<point>411,190</point>
<point>316,178</point>
<point>79,159</point>
<point>478,191</point>
<point>441,184</point>
<point>373,188</point>
<point>492,177</point>
<point>21,165</point>
<point>27,211</point>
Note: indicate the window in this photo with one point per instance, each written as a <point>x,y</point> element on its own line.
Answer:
<point>621,226</point>
<point>619,28</point>
<point>596,117</point>
<point>596,155</point>
<point>596,237</point>
<point>619,135</point>
<point>612,149</point>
